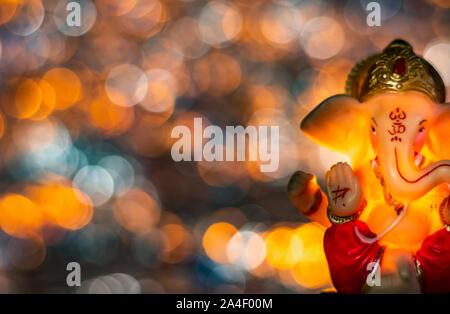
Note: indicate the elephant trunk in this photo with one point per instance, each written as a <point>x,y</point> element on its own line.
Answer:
<point>406,180</point>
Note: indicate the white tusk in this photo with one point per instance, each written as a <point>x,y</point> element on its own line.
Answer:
<point>419,160</point>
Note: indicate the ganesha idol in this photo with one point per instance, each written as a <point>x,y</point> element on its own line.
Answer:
<point>392,200</point>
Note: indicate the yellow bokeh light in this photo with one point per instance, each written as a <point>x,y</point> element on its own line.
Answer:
<point>110,118</point>
<point>7,9</point>
<point>278,248</point>
<point>48,101</point>
<point>67,207</point>
<point>66,86</point>
<point>311,269</point>
<point>22,98</point>
<point>216,239</point>
<point>19,216</point>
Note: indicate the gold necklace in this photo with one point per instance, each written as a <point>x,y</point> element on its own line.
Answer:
<point>390,200</point>
<point>444,218</point>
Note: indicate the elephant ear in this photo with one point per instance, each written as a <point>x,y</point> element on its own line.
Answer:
<point>340,123</point>
<point>439,133</point>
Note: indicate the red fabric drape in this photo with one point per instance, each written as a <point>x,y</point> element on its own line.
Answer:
<point>348,257</point>
<point>434,259</point>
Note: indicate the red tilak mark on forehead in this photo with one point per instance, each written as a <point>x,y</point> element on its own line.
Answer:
<point>397,115</point>
<point>397,126</point>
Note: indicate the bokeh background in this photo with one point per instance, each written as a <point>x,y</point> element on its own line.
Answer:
<point>86,115</point>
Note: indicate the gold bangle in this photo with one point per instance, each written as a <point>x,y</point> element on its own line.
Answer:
<point>338,220</point>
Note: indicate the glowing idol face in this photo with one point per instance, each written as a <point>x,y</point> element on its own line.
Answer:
<point>398,130</point>
<point>393,129</point>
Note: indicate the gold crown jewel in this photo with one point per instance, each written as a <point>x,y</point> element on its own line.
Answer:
<point>395,70</point>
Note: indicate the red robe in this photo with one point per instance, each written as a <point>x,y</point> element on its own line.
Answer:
<point>434,259</point>
<point>348,256</point>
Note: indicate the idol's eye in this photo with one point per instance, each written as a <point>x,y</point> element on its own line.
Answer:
<point>372,126</point>
<point>422,126</point>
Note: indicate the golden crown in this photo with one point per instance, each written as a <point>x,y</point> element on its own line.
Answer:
<point>396,69</point>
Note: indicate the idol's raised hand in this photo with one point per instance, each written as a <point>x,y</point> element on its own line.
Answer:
<point>343,190</point>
